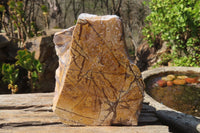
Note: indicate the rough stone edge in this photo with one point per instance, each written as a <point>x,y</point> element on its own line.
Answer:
<point>181,121</point>
<point>61,50</point>
<point>85,16</point>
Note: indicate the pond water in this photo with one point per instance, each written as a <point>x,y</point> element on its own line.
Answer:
<point>184,98</point>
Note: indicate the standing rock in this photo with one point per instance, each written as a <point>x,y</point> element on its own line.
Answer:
<point>44,49</point>
<point>96,84</point>
<point>63,41</point>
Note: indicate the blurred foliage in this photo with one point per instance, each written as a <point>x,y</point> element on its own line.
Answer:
<point>40,15</point>
<point>44,8</point>
<point>2,8</point>
<point>10,75</point>
<point>178,23</point>
<point>26,60</point>
<point>171,59</point>
<point>17,22</point>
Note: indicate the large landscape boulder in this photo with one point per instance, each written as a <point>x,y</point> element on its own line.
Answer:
<point>96,84</point>
<point>44,49</point>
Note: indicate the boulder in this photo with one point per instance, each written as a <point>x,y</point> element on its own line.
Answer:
<point>63,41</point>
<point>96,84</point>
<point>4,40</point>
<point>44,49</point>
<point>8,49</point>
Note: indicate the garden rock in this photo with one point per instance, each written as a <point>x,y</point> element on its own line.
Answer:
<point>4,49</point>
<point>96,84</point>
<point>8,49</point>
<point>170,83</point>
<point>179,82</point>
<point>182,77</point>
<point>43,47</point>
<point>4,40</point>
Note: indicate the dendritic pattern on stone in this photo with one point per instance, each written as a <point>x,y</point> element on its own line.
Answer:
<point>96,84</point>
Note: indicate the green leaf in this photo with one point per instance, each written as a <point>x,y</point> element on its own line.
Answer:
<point>44,8</point>
<point>34,75</point>
<point>178,23</point>
<point>2,8</point>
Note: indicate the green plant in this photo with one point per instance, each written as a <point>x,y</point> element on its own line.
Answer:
<point>185,61</point>
<point>44,8</point>
<point>45,13</point>
<point>2,8</point>
<point>10,76</point>
<point>178,23</point>
<point>27,60</point>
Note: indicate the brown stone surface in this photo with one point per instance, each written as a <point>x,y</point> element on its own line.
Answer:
<point>31,113</point>
<point>179,82</point>
<point>4,40</point>
<point>96,84</point>
<point>43,47</point>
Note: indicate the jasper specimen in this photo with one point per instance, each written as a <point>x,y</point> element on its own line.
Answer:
<point>96,84</point>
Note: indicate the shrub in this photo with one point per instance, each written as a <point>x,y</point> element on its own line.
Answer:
<point>178,23</point>
<point>10,76</point>
<point>26,60</point>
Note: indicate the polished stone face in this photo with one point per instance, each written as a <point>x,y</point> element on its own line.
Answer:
<point>96,84</point>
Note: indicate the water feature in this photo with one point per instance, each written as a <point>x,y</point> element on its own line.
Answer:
<point>184,97</point>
